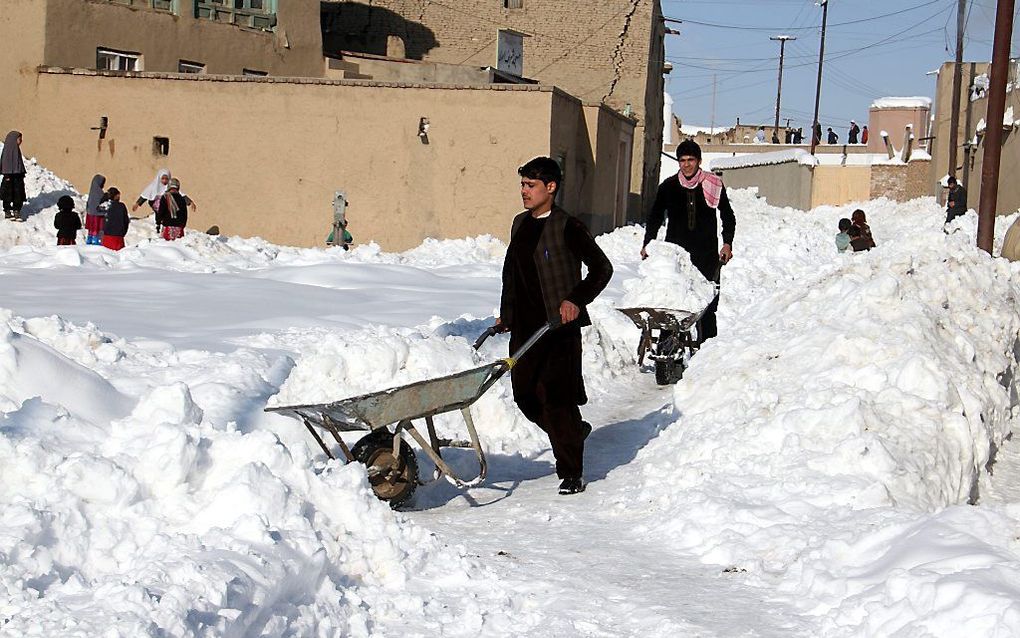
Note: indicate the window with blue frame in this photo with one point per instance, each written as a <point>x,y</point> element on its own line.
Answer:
<point>254,14</point>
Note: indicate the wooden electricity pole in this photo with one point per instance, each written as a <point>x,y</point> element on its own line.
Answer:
<point>954,121</point>
<point>993,135</point>
<point>815,139</point>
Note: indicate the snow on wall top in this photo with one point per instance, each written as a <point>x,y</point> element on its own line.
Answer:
<point>691,129</point>
<point>764,159</point>
<point>901,103</point>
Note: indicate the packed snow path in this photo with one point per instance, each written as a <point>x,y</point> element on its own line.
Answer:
<point>809,476</point>
<point>588,572</point>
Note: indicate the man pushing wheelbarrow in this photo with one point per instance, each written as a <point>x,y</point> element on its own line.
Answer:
<point>542,284</point>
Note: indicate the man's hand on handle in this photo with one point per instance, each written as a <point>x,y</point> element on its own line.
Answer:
<point>726,254</point>
<point>568,312</point>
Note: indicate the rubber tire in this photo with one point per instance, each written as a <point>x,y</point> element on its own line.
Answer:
<point>395,490</point>
<point>668,372</point>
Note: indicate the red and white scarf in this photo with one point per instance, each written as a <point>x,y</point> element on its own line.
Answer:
<point>711,184</point>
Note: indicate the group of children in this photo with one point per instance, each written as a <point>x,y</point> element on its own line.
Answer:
<point>854,234</point>
<point>107,219</point>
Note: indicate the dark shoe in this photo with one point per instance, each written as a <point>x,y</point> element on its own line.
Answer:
<point>571,486</point>
<point>585,429</point>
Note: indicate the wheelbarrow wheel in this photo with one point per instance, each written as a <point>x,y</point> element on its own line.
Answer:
<point>393,479</point>
<point>668,371</point>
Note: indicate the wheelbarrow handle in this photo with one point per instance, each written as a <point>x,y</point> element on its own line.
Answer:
<point>494,330</point>
<point>489,332</point>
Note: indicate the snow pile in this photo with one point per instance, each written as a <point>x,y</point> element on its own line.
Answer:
<point>902,103</point>
<point>842,409</point>
<point>667,279</point>
<point>126,515</point>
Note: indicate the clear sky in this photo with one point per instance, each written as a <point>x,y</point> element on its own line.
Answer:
<point>876,55</point>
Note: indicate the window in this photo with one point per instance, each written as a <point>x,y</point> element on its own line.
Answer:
<point>161,146</point>
<point>255,14</point>
<point>110,60</point>
<point>184,66</point>
<point>253,73</point>
<point>513,4</point>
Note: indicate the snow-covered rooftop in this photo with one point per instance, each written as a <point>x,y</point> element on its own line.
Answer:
<point>901,103</point>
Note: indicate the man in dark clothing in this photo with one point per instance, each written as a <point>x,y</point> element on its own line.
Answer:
<point>542,283</point>
<point>818,133</point>
<point>688,202</point>
<point>956,203</point>
<point>854,132</point>
<point>833,138</point>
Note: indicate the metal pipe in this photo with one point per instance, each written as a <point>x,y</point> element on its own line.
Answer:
<point>993,135</point>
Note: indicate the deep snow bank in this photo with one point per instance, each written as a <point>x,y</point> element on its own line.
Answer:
<point>171,517</point>
<point>845,394</point>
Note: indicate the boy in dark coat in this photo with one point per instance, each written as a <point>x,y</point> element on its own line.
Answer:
<point>117,220</point>
<point>542,283</point>
<point>67,222</point>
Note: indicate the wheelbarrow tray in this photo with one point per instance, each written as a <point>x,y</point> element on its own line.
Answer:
<point>405,403</point>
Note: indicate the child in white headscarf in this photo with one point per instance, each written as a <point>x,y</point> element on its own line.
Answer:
<point>152,193</point>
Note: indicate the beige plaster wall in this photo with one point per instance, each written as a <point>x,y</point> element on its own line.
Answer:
<point>398,70</point>
<point>969,117</point>
<point>838,185</point>
<point>21,22</point>
<point>278,181</point>
<point>1008,200</point>
<point>894,122</point>
<point>75,28</point>
<point>608,51</point>
<point>787,184</point>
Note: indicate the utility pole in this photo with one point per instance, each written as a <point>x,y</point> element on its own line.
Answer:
<point>782,39</point>
<point>713,104</point>
<point>954,122</point>
<point>993,135</point>
<point>815,139</point>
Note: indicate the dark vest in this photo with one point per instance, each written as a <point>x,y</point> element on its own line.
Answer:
<point>559,269</point>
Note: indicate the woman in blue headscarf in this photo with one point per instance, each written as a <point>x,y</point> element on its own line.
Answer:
<point>95,217</point>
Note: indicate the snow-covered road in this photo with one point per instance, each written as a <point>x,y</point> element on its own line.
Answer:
<point>809,476</point>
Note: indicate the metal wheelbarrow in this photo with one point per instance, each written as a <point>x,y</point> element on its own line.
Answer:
<point>392,465</point>
<point>667,336</point>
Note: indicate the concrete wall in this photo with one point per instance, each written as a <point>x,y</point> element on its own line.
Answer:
<point>787,184</point>
<point>278,181</point>
<point>75,28</point>
<point>901,182</point>
<point>609,51</point>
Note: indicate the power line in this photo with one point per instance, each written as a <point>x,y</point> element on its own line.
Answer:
<point>811,28</point>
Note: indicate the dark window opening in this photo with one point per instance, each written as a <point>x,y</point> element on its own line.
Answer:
<point>161,146</point>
